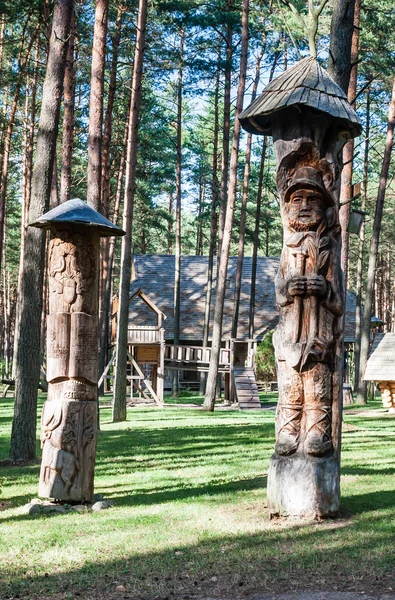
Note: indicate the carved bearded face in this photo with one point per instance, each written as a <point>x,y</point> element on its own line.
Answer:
<point>305,209</point>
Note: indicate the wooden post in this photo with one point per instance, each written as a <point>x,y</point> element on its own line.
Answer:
<point>161,367</point>
<point>304,474</point>
<point>69,418</point>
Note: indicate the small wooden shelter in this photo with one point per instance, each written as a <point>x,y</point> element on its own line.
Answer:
<point>381,367</point>
<point>146,349</point>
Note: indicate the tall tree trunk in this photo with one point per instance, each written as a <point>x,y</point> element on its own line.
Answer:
<point>107,135</point>
<point>251,328</point>
<point>27,371</point>
<point>213,220</point>
<point>348,151</point>
<point>68,117</point>
<point>243,214</point>
<point>209,400</point>
<point>170,225</point>
<point>177,265</point>
<point>22,62</point>
<point>119,407</point>
<point>226,128</point>
<point>96,104</point>
<point>27,187</point>
<point>342,26</point>
<point>361,248</point>
<point>105,191</point>
<point>374,244</point>
<point>251,318</point>
<point>387,283</point>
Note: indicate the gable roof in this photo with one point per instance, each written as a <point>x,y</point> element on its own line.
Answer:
<point>381,363</point>
<point>154,275</point>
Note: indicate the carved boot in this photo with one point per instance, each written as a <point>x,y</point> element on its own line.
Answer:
<point>288,432</point>
<point>318,430</point>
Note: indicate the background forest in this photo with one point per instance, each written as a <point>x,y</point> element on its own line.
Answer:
<point>190,78</point>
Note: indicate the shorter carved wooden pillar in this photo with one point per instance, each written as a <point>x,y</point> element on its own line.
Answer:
<point>309,118</point>
<point>69,418</point>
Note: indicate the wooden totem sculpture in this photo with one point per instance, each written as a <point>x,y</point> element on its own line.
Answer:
<point>310,119</point>
<point>69,418</point>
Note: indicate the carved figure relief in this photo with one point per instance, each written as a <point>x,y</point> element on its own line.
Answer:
<point>72,272</point>
<point>309,295</point>
<point>69,415</point>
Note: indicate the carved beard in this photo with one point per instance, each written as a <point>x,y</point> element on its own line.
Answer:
<point>296,225</point>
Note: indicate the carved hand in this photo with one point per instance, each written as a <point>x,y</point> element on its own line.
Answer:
<point>297,286</point>
<point>316,285</point>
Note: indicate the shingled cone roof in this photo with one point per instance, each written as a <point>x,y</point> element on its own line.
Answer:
<point>305,83</point>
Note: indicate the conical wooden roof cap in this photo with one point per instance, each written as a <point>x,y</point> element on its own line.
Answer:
<point>79,213</point>
<point>306,83</point>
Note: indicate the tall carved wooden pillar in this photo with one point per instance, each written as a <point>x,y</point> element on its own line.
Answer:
<point>310,119</point>
<point>69,418</point>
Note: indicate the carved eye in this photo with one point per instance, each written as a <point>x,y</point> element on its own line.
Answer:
<point>296,199</point>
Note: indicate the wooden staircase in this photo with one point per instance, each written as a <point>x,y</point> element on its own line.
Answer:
<point>246,388</point>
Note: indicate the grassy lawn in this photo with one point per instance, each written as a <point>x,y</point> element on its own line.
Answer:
<point>190,514</point>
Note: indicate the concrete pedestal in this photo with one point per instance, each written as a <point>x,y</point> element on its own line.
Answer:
<point>301,486</point>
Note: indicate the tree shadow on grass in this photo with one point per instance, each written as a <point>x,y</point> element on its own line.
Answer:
<point>301,555</point>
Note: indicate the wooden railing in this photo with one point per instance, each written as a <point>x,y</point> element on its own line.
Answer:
<point>195,354</point>
<point>145,335</point>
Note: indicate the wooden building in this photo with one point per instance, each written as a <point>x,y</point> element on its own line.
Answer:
<point>381,367</point>
<point>152,293</point>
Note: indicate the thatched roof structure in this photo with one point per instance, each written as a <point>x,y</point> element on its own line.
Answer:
<point>307,84</point>
<point>381,363</point>
<point>154,275</point>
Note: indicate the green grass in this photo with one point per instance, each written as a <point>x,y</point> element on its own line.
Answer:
<point>190,513</point>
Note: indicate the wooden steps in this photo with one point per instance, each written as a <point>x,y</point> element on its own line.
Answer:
<point>246,388</point>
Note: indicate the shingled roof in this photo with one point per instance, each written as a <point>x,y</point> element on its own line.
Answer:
<point>154,275</point>
<point>381,363</point>
<point>306,83</point>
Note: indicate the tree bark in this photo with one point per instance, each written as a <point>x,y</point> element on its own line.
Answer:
<point>243,214</point>
<point>213,220</point>
<point>342,26</point>
<point>68,117</point>
<point>119,407</point>
<point>96,105</point>
<point>361,248</point>
<point>27,372</point>
<point>226,129</point>
<point>348,151</point>
<point>22,62</point>
<point>177,261</point>
<point>105,191</point>
<point>209,400</point>
<point>374,244</point>
<point>251,328</point>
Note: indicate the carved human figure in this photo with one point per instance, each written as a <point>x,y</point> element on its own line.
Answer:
<point>68,437</point>
<point>308,293</point>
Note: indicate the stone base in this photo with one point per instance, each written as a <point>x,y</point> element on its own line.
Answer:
<point>303,487</point>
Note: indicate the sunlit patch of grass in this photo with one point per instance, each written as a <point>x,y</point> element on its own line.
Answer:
<point>190,512</point>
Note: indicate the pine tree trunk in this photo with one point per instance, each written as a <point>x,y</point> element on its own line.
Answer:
<point>68,117</point>
<point>27,371</point>
<point>209,400</point>
<point>243,214</point>
<point>119,407</point>
<point>342,27</point>
<point>170,225</point>
<point>96,105</point>
<point>226,129</point>
<point>177,261</point>
<point>213,221</point>
<point>361,249</point>
<point>27,187</point>
<point>251,328</point>
<point>8,134</point>
<point>348,151</point>
<point>374,244</point>
<point>105,191</point>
